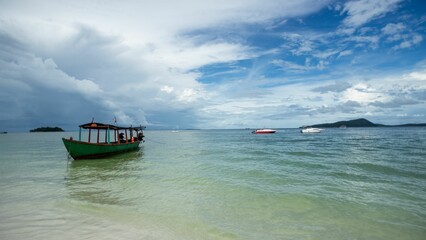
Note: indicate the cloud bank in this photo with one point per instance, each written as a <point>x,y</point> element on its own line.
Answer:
<point>210,64</point>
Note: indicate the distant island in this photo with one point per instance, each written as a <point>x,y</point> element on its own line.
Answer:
<point>47,129</point>
<point>362,122</point>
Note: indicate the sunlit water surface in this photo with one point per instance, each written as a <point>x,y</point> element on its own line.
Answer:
<point>365,183</point>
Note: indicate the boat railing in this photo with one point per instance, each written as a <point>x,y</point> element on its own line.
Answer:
<point>120,135</point>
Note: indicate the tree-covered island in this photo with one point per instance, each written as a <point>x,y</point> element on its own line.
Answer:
<point>362,122</point>
<point>47,129</point>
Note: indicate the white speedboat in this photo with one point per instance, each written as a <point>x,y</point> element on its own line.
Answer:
<point>311,130</point>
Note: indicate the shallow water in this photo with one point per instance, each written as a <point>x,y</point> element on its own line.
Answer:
<point>360,183</point>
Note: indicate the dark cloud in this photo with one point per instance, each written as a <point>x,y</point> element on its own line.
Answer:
<point>351,104</point>
<point>9,45</point>
<point>289,112</point>
<point>419,95</point>
<point>394,103</point>
<point>86,75</point>
<point>315,99</point>
<point>88,54</point>
<point>34,92</point>
<point>348,107</point>
<point>296,110</point>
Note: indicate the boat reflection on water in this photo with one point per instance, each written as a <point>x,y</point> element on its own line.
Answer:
<point>100,181</point>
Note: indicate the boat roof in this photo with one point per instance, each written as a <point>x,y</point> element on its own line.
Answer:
<point>96,125</point>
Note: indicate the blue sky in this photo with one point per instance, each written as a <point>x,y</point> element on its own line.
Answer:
<point>211,64</point>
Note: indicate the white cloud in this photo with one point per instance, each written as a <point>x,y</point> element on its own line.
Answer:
<point>371,41</point>
<point>291,66</point>
<point>188,95</point>
<point>361,93</point>
<point>154,21</point>
<point>345,53</point>
<point>185,55</point>
<point>293,105</point>
<point>418,75</point>
<point>393,28</point>
<point>167,89</point>
<point>294,67</point>
<point>305,46</point>
<point>409,41</point>
<point>402,35</point>
<point>326,54</point>
<point>361,12</point>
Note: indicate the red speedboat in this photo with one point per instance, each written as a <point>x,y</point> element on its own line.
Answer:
<point>264,131</point>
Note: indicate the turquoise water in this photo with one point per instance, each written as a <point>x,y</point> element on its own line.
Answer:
<point>366,183</point>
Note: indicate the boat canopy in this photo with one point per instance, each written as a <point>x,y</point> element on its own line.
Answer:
<point>95,125</point>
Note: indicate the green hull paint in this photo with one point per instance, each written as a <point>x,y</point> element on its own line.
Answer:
<point>84,150</point>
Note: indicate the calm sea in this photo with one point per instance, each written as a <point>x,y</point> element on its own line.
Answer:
<point>360,183</point>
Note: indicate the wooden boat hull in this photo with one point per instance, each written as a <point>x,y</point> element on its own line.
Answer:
<point>83,150</point>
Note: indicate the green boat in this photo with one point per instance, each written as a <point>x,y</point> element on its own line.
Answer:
<point>123,139</point>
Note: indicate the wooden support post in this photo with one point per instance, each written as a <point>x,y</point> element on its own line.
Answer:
<point>127,140</point>
<point>97,140</point>
<point>90,131</point>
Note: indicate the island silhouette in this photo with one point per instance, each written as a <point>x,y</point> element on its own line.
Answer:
<point>361,122</point>
<point>47,129</point>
